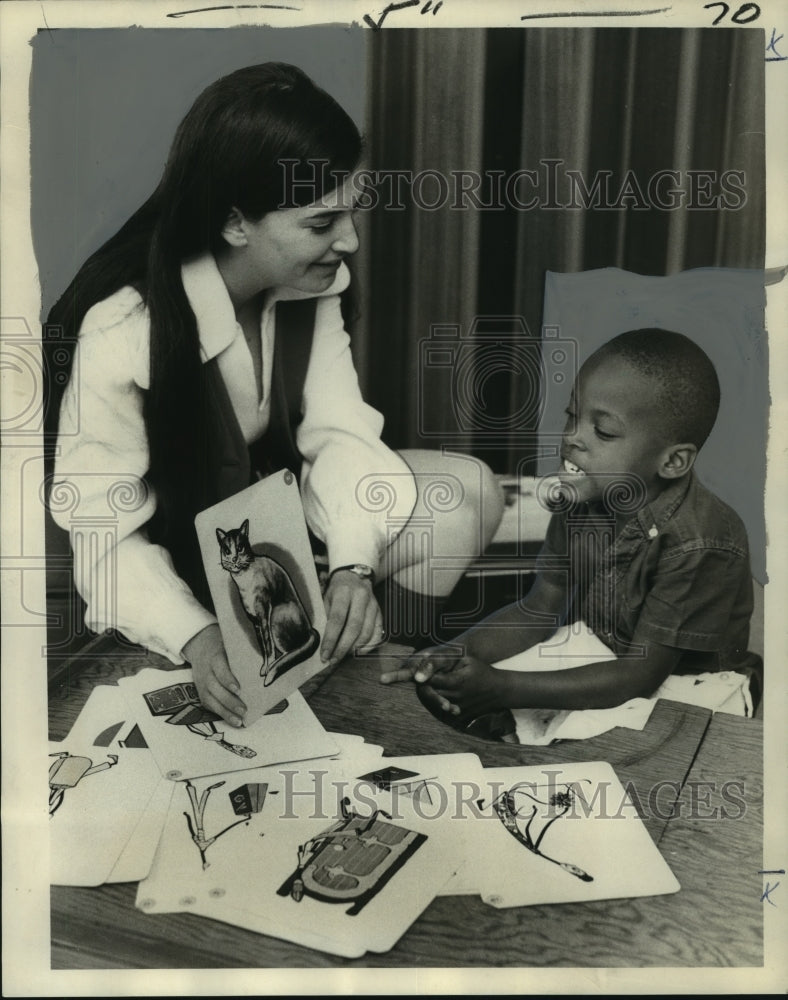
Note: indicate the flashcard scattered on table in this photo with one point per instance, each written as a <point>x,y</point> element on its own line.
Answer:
<point>434,795</point>
<point>137,856</point>
<point>103,718</point>
<point>317,838</point>
<point>262,576</point>
<point>347,742</point>
<point>102,725</point>
<point>385,777</point>
<point>559,834</point>
<point>189,741</point>
<point>97,797</point>
<point>261,923</point>
<point>330,868</point>
<point>354,753</point>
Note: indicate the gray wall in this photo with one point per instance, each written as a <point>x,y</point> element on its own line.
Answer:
<point>105,104</point>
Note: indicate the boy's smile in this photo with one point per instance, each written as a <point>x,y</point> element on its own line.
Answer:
<point>612,429</point>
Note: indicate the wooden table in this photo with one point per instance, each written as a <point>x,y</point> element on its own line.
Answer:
<point>681,766</point>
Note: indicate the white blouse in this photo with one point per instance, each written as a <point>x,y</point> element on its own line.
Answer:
<point>128,583</point>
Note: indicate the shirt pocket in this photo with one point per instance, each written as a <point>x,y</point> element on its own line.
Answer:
<point>634,579</point>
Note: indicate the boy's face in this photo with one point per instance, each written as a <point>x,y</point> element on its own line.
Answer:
<point>612,429</point>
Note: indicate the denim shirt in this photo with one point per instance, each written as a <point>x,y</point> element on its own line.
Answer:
<point>677,573</point>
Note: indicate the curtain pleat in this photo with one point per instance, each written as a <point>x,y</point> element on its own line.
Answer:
<point>556,137</point>
<point>689,58</point>
<point>617,108</point>
<point>426,119</point>
<point>740,234</point>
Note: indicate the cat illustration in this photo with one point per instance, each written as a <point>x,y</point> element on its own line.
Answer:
<point>284,632</point>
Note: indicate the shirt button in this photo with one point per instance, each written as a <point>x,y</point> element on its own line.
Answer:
<point>652,531</point>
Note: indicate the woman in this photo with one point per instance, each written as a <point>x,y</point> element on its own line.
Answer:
<point>211,346</point>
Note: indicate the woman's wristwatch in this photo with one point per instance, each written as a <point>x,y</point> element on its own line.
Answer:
<point>365,572</point>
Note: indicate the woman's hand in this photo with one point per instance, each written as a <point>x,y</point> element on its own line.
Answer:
<point>216,685</point>
<point>354,618</point>
<point>470,689</point>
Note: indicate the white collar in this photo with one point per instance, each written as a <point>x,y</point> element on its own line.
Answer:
<point>210,301</point>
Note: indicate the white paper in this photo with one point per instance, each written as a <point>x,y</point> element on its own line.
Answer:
<point>194,744</point>
<point>102,718</point>
<point>137,856</point>
<point>579,838</point>
<point>97,797</point>
<point>253,863</point>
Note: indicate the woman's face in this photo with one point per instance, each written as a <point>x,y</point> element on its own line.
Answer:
<point>303,247</point>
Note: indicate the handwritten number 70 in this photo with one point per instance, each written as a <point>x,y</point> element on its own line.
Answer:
<point>746,13</point>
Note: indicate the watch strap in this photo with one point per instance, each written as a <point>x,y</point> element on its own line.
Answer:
<point>360,569</point>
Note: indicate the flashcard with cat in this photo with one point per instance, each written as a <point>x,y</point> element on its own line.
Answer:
<point>97,797</point>
<point>557,834</point>
<point>262,577</point>
<point>309,866</point>
<point>187,740</point>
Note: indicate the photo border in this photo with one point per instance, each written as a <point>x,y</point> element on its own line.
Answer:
<point>26,963</point>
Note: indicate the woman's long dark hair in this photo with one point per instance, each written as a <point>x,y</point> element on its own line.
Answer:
<point>228,152</point>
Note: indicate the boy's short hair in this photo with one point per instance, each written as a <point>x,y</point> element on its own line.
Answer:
<point>686,383</point>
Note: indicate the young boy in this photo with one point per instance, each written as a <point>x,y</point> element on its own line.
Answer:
<point>655,564</point>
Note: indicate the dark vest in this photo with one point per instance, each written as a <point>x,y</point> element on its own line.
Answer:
<point>237,464</point>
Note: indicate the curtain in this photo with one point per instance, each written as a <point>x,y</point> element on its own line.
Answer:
<point>421,264</point>
<point>644,150</point>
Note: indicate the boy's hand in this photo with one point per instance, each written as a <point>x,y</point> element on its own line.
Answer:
<point>422,665</point>
<point>471,689</point>
<point>215,683</point>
